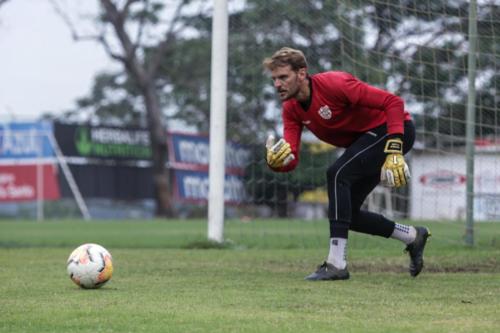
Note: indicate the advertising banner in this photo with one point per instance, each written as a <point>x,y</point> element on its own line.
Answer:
<point>193,186</point>
<point>192,152</point>
<point>189,156</point>
<point>21,182</point>
<point>117,143</point>
<point>28,140</point>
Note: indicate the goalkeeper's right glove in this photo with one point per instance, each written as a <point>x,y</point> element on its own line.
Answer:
<point>278,154</point>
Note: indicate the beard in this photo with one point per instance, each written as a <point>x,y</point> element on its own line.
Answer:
<point>286,94</point>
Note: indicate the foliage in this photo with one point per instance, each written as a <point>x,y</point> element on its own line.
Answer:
<point>113,100</point>
<point>333,35</point>
<point>432,72</point>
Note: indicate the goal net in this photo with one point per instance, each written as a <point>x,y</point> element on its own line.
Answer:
<point>416,49</point>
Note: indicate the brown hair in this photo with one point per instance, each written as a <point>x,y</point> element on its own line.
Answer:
<point>286,56</point>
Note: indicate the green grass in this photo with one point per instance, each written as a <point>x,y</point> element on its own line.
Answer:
<point>167,280</point>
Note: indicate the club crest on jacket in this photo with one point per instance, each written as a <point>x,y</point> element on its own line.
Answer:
<point>325,112</point>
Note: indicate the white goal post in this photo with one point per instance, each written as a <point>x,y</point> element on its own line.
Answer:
<point>218,93</point>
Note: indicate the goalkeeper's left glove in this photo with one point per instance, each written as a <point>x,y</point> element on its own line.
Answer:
<point>279,154</point>
<point>395,171</point>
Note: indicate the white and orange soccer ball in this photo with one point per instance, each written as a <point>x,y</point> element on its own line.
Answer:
<point>90,266</point>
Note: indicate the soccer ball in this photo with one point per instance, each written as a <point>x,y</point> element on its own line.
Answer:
<point>90,266</point>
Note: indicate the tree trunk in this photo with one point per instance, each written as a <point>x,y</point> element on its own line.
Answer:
<point>158,138</point>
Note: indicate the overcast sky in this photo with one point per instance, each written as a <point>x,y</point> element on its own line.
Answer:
<point>41,67</point>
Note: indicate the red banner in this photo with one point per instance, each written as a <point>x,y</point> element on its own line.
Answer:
<point>19,182</point>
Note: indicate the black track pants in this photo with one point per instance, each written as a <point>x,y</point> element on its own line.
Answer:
<point>353,176</point>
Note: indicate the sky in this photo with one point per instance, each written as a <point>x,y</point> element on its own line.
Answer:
<point>41,67</point>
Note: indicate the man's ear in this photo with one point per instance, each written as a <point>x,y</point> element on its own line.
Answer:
<point>302,73</point>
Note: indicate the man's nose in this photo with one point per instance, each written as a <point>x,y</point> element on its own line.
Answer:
<point>277,83</point>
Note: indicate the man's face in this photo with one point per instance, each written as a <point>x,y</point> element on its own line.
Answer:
<point>287,81</point>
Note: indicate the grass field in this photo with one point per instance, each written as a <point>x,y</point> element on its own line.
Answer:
<point>168,279</point>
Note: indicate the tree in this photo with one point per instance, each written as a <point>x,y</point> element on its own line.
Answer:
<point>141,59</point>
<point>253,36</point>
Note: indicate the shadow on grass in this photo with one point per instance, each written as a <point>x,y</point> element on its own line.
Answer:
<point>208,244</point>
<point>491,265</point>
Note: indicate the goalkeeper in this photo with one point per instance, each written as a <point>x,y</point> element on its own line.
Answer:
<point>375,130</point>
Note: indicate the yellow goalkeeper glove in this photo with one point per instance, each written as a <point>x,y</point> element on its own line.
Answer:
<point>395,171</point>
<point>279,154</point>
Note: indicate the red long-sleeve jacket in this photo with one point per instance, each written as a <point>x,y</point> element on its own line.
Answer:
<point>342,108</point>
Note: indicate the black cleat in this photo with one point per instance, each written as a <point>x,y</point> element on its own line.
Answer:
<point>327,271</point>
<point>416,250</point>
